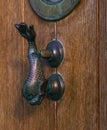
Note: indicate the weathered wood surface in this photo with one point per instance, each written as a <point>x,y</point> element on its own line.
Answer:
<point>84,69</point>
<point>11,102</point>
<point>39,117</point>
<point>78,110</point>
<point>15,113</point>
<point>102,65</point>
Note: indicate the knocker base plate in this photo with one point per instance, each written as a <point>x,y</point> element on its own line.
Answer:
<point>53,10</point>
<point>55,47</point>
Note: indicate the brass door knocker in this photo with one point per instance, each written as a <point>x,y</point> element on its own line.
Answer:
<point>36,87</point>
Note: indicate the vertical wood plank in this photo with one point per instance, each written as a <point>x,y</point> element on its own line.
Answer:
<point>38,117</point>
<point>11,103</point>
<point>78,110</point>
<point>83,68</point>
<point>103,65</point>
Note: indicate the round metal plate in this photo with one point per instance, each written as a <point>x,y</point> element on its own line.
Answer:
<point>53,9</point>
<point>56,48</point>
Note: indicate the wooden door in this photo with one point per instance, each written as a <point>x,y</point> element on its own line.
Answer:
<point>84,68</point>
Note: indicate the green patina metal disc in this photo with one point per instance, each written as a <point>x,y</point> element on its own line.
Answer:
<point>53,9</point>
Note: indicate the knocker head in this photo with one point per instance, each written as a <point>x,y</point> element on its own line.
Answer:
<point>27,32</point>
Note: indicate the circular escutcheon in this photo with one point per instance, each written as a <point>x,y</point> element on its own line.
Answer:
<point>53,10</point>
<point>56,48</point>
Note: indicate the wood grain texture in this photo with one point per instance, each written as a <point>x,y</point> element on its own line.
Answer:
<point>84,69</point>
<point>16,113</point>
<point>102,65</point>
<point>38,117</point>
<point>11,102</point>
<point>78,109</point>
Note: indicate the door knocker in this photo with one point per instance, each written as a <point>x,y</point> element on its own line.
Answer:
<point>36,87</point>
